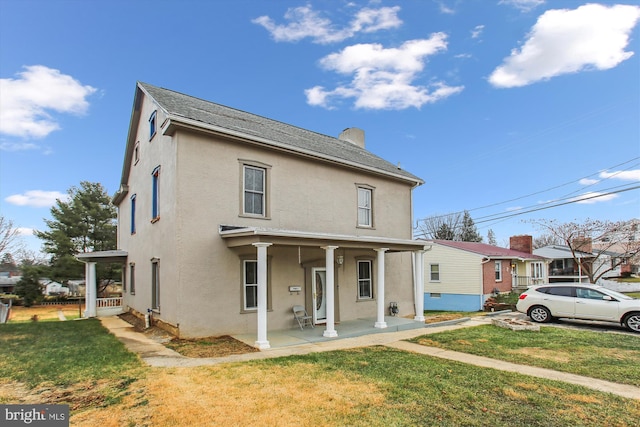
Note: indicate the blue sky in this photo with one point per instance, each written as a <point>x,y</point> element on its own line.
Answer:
<point>501,106</point>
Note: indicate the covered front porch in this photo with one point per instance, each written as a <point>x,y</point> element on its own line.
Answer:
<point>348,329</point>
<point>95,306</point>
<point>262,241</point>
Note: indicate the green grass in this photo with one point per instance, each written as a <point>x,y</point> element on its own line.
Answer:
<point>63,353</point>
<point>425,391</point>
<point>633,294</point>
<point>612,357</point>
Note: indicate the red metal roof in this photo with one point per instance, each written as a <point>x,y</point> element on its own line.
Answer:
<point>488,250</point>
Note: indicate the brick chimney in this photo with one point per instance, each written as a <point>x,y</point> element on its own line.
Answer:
<point>582,244</point>
<point>522,243</point>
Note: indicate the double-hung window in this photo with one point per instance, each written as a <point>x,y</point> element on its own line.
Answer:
<point>132,278</point>
<point>498,268</point>
<point>155,195</point>
<point>155,284</point>
<point>250,284</point>
<point>133,214</point>
<point>365,207</point>
<point>152,125</point>
<point>254,201</point>
<point>365,282</point>
<point>434,272</point>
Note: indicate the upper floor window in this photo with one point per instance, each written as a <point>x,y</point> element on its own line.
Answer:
<point>498,267</point>
<point>365,203</point>
<point>152,125</point>
<point>155,194</point>
<point>434,272</point>
<point>254,201</point>
<point>365,283</point>
<point>136,153</point>
<point>133,214</point>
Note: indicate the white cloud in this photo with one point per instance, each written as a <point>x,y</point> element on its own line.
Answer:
<point>383,78</point>
<point>514,208</point>
<point>305,22</point>
<point>27,101</point>
<point>568,41</point>
<point>587,181</point>
<point>631,175</point>
<point>17,146</point>
<point>24,231</point>
<point>37,198</point>
<point>523,5</point>
<point>445,9</point>
<point>477,31</point>
<point>593,197</point>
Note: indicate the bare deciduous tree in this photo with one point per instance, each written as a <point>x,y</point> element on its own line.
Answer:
<point>602,239</point>
<point>9,235</point>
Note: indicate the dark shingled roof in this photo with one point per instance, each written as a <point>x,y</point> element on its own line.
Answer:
<point>251,125</point>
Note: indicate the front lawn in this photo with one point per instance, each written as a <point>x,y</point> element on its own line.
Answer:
<point>73,357</point>
<point>607,356</point>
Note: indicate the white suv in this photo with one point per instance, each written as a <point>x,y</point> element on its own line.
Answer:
<point>579,301</point>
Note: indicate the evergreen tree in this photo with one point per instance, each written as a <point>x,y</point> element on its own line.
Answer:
<point>468,232</point>
<point>28,288</point>
<point>445,232</point>
<point>86,222</point>
<point>491,238</point>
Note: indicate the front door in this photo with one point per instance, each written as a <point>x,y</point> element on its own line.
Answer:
<point>319,287</point>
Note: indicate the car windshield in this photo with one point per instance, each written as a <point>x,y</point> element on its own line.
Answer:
<point>618,295</point>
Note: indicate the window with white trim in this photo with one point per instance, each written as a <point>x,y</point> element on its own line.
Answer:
<point>254,194</point>
<point>365,281</point>
<point>537,270</point>
<point>434,272</point>
<point>498,268</point>
<point>365,207</point>
<point>250,285</point>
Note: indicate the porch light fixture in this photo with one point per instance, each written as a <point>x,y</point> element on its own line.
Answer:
<point>340,259</point>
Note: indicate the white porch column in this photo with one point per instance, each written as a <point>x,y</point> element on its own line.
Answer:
<point>380,323</point>
<point>330,330</point>
<point>90,290</point>
<point>262,342</point>
<point>419,285</point>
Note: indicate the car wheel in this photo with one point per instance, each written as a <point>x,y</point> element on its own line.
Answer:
<point>632,322</point>
<point>540,314</point>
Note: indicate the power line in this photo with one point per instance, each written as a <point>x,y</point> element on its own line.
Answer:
<point>544,191</point>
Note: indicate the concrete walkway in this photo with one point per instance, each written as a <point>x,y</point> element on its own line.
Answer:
<point>157,355</point>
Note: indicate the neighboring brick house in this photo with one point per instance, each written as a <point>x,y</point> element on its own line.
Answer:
<point>226,220</point>
<point>462,275</point>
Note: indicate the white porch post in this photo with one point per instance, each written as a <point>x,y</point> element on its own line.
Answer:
<point>330,330</point>
<point>262,342</point>
<point>380,323</point>
<point>90,290</point>
<point>419,285</point>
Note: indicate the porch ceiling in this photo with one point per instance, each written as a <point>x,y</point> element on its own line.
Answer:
<point>245,236</point>
<point>103,256</point>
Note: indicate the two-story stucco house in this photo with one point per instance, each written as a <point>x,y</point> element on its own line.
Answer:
<point>228,219</point>
<point>462,275</point>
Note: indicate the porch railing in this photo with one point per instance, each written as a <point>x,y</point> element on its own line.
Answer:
<point>109,306</point>
<point>523,282</point>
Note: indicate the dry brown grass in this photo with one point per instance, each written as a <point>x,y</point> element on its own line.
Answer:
<point>542,353</point>
<point>239,395</point>
<point>44,312</point>
<point>209,347</point>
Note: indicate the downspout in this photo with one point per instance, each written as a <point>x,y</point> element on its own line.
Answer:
<point>482,263</point>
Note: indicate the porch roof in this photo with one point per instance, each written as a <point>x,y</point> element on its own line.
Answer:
<point>103,256</point>
<point>243,236</point>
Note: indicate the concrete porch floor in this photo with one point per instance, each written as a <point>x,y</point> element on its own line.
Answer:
<point>347,329</point>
